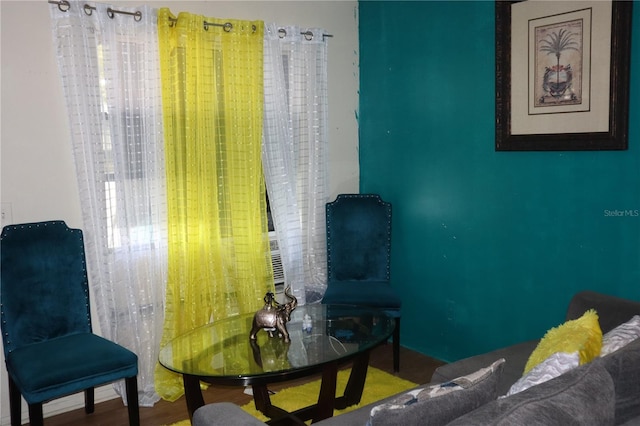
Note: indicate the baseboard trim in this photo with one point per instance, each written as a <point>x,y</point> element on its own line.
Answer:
<point>63,405</point>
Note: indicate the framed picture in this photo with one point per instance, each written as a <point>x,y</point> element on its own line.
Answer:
<point>562,75</point>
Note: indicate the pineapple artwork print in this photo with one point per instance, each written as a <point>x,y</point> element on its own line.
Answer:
<point>558,64</point>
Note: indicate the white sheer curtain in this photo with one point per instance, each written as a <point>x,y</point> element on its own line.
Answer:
<point>111,81</point>
<point>294,149</point>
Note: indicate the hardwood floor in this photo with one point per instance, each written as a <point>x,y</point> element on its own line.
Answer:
<point>415,367</point>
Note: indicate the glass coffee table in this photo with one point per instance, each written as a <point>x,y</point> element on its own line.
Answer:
<point>221,353</point>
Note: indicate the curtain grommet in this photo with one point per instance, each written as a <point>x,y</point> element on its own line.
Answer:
<point>88,10</point>
<point>64,6</point>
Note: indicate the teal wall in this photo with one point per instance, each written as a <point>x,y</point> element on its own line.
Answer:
<point>488,247</point>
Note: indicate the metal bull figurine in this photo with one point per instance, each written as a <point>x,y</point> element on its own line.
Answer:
<point>274,316</point>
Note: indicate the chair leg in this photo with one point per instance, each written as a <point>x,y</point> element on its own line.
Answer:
<point>35,415</point>
<point>131,384</point>
<point>15,403</point>
<point>396,346</point>
<point>89,400</point>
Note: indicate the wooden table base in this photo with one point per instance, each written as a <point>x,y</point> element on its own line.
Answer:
<point>327,400</point>
<point>323,409</point>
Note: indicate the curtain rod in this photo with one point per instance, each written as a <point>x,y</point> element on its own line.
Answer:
<point>64,5</point>
<point>307,34</point>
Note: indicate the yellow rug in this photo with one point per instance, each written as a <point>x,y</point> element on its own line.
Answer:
<point>378,385</point>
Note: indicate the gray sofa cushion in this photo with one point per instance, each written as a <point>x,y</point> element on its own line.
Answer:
<point>439,404</point>
<point>516,357</point>
<point>612,311</point>
<point>584,396</point>
<point>624,366</point>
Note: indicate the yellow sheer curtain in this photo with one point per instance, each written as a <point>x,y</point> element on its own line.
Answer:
<point>219,261</point>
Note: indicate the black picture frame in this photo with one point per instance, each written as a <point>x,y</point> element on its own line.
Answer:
<point>613,138</point>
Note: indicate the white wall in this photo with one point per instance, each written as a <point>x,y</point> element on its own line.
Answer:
<point>37,180</point>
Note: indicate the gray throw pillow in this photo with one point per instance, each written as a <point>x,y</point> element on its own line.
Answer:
<point>442,403</point>
<point>584,396</point>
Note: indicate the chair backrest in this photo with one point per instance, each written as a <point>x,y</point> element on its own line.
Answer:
<point>44,289</point>
<point>358,238</point>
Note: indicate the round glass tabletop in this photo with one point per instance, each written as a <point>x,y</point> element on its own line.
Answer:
<point>320,334</point>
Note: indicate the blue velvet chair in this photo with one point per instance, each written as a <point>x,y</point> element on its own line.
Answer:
<point>359,257</point>
<point>49,348</point>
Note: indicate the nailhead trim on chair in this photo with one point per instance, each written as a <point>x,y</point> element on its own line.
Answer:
<point>10,228</point>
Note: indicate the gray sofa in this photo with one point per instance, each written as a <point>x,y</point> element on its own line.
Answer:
<point>605,391</point>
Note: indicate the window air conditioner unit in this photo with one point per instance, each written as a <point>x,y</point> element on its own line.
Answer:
<point>276,261</point>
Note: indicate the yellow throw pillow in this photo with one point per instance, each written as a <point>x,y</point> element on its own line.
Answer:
<point>582,335</point>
